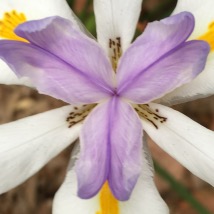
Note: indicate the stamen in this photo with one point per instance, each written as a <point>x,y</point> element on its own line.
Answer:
<point>145,112</point>
<point>108,203</point>
<point>79,114</point>
<point>115,51</point>
<point>9,22</point>
<point>209,36</point>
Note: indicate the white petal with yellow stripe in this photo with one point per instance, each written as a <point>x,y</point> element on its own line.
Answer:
<point>203,85</point>
<point>15,12</point>
<point>145,198</point>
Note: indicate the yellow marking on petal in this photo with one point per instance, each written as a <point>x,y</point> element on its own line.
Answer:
<point>108,203</point>
<point>209,36</point>
<point>8,24</point>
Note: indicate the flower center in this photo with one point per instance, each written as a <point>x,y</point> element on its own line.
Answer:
<point>9,22</point>
<point>209,36</point>
<point>108,203</point>
<point>79,114</point>
<point>115,51</point>
<point>148,114</point>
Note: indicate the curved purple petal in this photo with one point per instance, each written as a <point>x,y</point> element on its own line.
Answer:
<point>110,150</point>
<point>93,165</point>
<point>50,74</point>
<point>159,38</point>
<point>63,39</point>
<point>126,149</point>
<point>171,71</point>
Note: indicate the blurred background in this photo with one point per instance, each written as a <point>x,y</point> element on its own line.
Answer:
<point>183,192</point>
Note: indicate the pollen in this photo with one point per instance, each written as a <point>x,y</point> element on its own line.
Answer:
<point>209,36</point>
<point>108,203</point>
<point>8,24</point>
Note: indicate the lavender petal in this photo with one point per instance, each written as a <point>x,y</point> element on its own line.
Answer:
<point>173,70</point>
<point>51,75</point>
<point>62,38</point>
<point>158,39</point>
<point>126,149</point>
<point>110,150</point>
<point>93,165</point>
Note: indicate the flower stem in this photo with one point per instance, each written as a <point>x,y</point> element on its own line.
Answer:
<point>180,189</point>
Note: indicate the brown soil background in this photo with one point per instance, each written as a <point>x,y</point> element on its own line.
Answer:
<point>36,194</point>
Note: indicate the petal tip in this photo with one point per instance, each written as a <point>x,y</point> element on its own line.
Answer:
<point>121,195</point>
<point>33,26</point>
<point>86,193</point>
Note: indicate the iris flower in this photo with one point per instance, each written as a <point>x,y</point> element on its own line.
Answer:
<point>113,89</point>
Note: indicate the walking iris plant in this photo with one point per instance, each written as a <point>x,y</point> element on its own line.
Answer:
<point>113,88</point>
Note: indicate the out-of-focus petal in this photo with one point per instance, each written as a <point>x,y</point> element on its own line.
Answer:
<point>50,74</point>
<point>159,38</point>
<point>37,9</point>
<point>28,144</point>
<point>111,145</point>
<point>116,22</point>
<point>188,142</point>
<point>169,72</point>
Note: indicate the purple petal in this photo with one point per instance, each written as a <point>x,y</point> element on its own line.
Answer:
<point>93,165</point>
<point>110,150</point>
<point>171,71</point>
<point>159,38</point>
<point>126,149</point>
<point>50,74</point>
<point>63,39</point>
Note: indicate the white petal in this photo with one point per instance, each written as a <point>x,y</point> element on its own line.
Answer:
<point>116,19</point>
<point>145,198</point>
<point>203,85</point>
<point>28,144</point>
<point>188,142</point>
<point>37,9</point>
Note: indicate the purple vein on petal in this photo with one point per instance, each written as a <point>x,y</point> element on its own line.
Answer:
<point>176,68</point>
<point>93,165</point>
<point>50,74</point>
<point>126,147</point>
<point>161,60</point>
<point>61,37</point>
<point>159,38</point>
<point>111,143</point>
